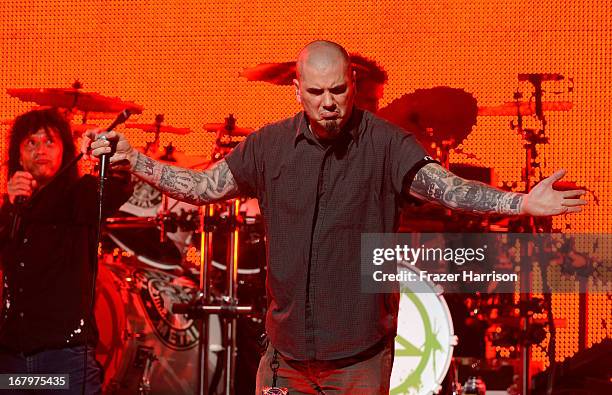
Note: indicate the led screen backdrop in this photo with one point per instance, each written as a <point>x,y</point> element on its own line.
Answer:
<point>183,59</point>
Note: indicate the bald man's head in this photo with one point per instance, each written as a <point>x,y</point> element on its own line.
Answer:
<point>321,55</point>
<point>325,87</point>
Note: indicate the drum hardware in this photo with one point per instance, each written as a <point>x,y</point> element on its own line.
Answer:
<point>200,307</point>
<point>157,128</point>
<point>225,132</point>
<point>474,386</point>
<point>524,107</point>
<point>144,361</point>
<point>532,333</point>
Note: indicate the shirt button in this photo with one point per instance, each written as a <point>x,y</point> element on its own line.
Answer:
<point>20,289</point>
<point>25,240</point>
<point>21,264</point>
<point>21,314</point>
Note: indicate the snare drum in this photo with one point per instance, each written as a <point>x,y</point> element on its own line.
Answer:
<point>143,347</point>
<point>425,339</point>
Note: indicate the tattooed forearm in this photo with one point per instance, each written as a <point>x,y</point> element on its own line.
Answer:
<point>435,183</point>
<point>192,186</point>
<point>144,165</point>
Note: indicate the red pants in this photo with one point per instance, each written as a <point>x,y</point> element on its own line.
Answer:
<point>368,373</point>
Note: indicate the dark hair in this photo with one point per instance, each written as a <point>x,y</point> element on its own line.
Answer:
<point>31,122</point>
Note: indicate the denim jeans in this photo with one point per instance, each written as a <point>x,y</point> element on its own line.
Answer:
<point>62,361</point>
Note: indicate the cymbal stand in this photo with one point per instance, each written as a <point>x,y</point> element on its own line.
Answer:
<point>532,138</point>
<point>201,307</point>
<point>229,325</point>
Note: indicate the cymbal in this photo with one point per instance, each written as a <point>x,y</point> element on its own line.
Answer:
<point>180,158</point>
<point>441,115</point>
<point>283,73</point>
<point>222,128</point>
<point>74,98</point>
<point>228,128</point>
<point>525,108</point>
<point>154,128</point>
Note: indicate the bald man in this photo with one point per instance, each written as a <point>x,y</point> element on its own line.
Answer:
<point>323,177</point>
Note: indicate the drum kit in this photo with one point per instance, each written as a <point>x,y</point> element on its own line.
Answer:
<point>173,277</point>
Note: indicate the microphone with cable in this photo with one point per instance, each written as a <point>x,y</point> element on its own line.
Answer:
<point>104,164</point>
<point>105,158</point>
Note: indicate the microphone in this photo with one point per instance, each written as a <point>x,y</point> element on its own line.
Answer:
<point>121,118</point>
<point>539,77</point>
<point>105,158</point>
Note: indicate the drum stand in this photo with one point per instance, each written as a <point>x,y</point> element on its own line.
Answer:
<point>532,139</point>
<point>201,307</point>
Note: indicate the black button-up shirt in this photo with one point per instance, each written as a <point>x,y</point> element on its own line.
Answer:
<point>316,201</point>
<point>47,264</point>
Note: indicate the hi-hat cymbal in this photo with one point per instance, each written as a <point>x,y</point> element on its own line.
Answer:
<point>524,108</point>
<point>74,98</point>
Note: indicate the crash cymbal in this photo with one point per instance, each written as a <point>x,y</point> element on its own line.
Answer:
<point>74,98</point>
<point>283,73</point>
<point>275,73</point>
<point>524,108</point>
<point>154,128</point>
<point>441,115</point>
<point>228,128</point>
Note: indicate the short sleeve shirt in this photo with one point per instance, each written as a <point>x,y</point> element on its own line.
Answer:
<point>316,201</point>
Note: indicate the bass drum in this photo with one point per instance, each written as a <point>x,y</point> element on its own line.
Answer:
<point>425,339</point>
<point>143,347</point>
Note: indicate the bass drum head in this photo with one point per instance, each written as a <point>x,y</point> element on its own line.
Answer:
<point>425,339</point>
<point>142,344</point>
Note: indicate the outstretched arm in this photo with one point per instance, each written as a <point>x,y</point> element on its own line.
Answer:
<point>193,186</point>
<point>435,183</point>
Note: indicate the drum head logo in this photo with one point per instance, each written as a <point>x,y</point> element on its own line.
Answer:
<point>423,345</point>
<point>145,196</point>
<point>158,292</point>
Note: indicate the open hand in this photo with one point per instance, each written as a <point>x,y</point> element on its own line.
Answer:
<point>543,200</point>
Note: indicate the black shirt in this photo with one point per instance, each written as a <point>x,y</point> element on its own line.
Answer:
<point>316,202</point>
<point>47,265</point>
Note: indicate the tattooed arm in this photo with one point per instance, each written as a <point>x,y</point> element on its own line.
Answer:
<point>192,186</point>
<point>434,183</point>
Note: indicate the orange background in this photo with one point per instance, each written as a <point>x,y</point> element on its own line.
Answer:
<point>182,59</point>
